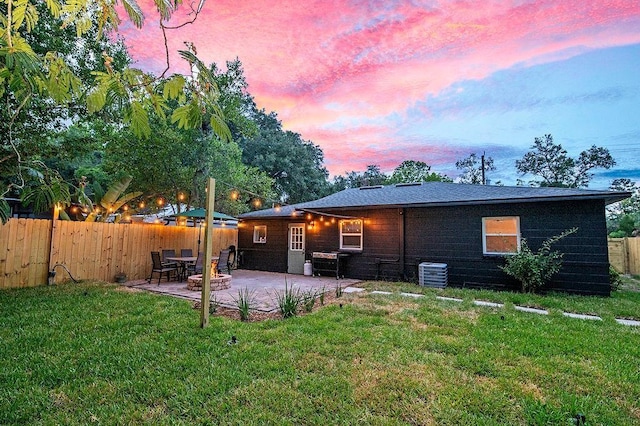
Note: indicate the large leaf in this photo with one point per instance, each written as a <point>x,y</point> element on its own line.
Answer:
<point>134,12</point>
<point>173,87</point>
<point>139,120</point>
<point>115,190</point>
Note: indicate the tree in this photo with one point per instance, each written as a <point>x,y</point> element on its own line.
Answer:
<point>29,74</point>
<point>295,165</point>
<point>623,216</point>
<point>550,162</point>
<point>371,177</point>
<point>472,169</point>
<point>415,171</point>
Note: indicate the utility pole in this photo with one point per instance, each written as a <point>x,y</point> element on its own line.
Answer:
<point>484,182</point>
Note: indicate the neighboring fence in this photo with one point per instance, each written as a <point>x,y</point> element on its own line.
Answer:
<point>624,255</point>
<point>91,250</point>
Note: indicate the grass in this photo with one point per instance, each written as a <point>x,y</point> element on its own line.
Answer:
<point>92,353</point>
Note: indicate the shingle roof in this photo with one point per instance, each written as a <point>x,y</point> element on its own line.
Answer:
<point>438,194</point>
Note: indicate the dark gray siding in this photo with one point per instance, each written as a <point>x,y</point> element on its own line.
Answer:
<point>454,236</point>
<point>270,256</point>
<point>397,240</point>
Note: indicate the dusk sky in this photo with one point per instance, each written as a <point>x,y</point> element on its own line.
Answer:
<point>380,82</point>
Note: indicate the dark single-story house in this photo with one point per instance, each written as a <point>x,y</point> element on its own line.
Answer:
<point>386,232</point>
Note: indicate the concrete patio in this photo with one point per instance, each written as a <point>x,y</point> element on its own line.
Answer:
<point>264,286</point>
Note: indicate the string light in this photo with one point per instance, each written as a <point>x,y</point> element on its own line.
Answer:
<point>234,195</point>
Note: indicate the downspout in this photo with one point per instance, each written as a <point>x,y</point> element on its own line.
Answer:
<point>401,238</point>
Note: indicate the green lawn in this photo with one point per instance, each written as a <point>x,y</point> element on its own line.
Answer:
<point>93,354</point>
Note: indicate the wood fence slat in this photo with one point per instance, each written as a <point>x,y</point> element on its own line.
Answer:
<point>25,255</point>
<point>633,259</point>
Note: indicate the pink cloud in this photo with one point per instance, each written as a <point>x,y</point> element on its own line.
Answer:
<point>327,65</point>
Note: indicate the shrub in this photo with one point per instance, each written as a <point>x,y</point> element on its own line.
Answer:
<point>289,301</point>
<point>213,304</point>
<point>244,303</point>
<point>534,270</point>
<point>614,279</point>
<point>309,300</point>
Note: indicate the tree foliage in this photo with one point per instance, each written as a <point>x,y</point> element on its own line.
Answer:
<point>295,165</point>
<point>38,72</point>
<point>415,171</point>
<point>551,163</point>
<point>472,171</point>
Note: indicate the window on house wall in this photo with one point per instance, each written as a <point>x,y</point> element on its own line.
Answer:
<point>500,235</point>
<point>260,234</point>
<point>351,234</point>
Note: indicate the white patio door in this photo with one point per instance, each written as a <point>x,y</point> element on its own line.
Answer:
<point>296,249</point>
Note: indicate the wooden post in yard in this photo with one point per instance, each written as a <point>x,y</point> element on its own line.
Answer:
<point>54,219</point>
<point>208,246</point>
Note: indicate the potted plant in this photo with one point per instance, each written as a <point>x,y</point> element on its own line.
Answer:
<point>121,277</point>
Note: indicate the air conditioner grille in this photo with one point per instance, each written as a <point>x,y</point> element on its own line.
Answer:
<point>433,274</point>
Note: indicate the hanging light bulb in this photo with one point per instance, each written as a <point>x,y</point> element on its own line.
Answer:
<point>234,195</point>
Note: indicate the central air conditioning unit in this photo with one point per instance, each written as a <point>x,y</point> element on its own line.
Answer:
<point>432,274</point>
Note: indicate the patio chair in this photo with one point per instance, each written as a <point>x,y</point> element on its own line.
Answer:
<point>233,259</point>
<point>196,268</point>
<point>186,253</point>
<point>223,261</point>
<point>168,253</point>
<point>161,268</point>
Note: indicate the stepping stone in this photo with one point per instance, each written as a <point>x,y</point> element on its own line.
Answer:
<point>488,304</point>
<point>449,299</point>
<point>412,295</point>
<point>381,292</point>
<point>531,310</point>
<point>352,290</point>
<point>628,322</point>
<point>582,316</point>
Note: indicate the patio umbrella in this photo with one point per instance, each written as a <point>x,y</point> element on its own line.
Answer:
<point>201,213</point>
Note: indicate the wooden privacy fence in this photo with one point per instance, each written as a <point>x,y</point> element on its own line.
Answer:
<point>624,255</point>
<point>29,248</point>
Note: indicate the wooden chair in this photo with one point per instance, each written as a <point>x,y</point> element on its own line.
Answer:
<point>161,268</point>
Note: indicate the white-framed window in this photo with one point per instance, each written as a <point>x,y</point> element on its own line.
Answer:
<point>351,234</point>
<point>260,234</point>
<point>501,235</point>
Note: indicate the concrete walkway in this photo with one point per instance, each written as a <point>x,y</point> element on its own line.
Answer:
<point>263,285</point>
